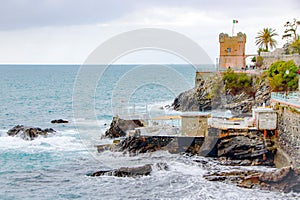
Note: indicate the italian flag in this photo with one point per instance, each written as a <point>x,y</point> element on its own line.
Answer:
<point>235,21</point>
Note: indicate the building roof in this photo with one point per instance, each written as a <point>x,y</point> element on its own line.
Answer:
<point>195,114</point>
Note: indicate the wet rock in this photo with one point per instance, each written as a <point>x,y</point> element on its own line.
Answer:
<point>131,171</point>
<point>143,144</point>
<point>230,162</point>
<point>119,127</point>
<point>285,179</point>
<point>29,133</point>
<point>59,121</point>
<point>248,146</point>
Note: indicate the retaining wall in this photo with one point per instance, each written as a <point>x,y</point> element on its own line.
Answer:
<point>289,133</point>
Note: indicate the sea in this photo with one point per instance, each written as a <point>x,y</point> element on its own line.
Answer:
<point>56,167</point>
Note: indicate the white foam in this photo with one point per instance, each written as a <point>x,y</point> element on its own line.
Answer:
<point>61,141</point>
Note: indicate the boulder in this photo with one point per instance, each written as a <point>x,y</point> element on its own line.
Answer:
<point>285,179</point>
<point>144,170</point>
<point>29,133</point>
<point>119,127</point>
<point>188,101</point>
<point>59,121</point>
<point>245,149</point>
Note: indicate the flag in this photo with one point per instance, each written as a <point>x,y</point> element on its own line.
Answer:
<point>235,21</point>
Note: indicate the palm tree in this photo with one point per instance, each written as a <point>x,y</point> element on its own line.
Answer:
<point>265,39</point>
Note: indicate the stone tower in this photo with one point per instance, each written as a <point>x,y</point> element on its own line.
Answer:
<point>232,51</point>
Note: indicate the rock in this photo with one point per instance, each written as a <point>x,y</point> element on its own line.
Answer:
<point>119,127</point>
<point>29,133</point>
<point>131,171</point>
<point>248,146</point>
<point>212,94</point>
<point>285,179</point>
<point>143,144</point>
<point>59,121</point>
<point>188,101</point>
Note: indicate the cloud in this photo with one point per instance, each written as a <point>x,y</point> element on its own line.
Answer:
<point>65,31</point>
<point>23,14</point>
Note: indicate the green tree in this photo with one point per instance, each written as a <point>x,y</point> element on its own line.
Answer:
<point>265,39</point>
<point>282,76</point>
<point>290,29</point>
<point>296,46</point>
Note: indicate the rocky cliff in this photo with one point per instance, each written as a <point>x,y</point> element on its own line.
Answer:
<point>214,94</point>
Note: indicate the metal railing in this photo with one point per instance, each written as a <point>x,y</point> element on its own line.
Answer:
<point>287,97</point>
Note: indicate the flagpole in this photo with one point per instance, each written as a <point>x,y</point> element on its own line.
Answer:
<point>232,28</point>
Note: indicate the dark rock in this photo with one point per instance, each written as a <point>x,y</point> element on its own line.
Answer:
<point>131,171</point>
<point>248,146</point>
<point>212,94</point>
<point>285,179</point>
<point>188,101</point>
<point>143,144</point>
<point>119,127</point>
<point>29,133</point>
<point>59,121</point>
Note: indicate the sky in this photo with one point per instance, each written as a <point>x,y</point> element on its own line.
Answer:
<point>67,31</point>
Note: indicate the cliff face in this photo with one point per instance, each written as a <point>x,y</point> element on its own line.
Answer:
<point>213,94</point>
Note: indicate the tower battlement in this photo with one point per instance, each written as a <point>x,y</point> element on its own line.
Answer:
<point>232,51</point>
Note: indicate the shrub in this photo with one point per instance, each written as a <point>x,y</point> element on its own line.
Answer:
<point>278,77</point>
<point>237,82</point>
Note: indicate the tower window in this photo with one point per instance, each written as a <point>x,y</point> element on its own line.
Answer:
<point>228,50</point>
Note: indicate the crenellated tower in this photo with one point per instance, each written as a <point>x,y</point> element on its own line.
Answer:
<point>232,51</point>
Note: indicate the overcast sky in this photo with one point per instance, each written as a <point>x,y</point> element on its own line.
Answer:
<point>67,31</point>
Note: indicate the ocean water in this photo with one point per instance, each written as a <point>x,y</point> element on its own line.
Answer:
<point>55,167</point>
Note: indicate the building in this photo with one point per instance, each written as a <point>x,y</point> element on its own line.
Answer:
<point>232,51</point>
<point>194,124</point>
<point>265,118</point>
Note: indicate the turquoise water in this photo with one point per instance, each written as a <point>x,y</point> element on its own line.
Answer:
<point>56,167</point>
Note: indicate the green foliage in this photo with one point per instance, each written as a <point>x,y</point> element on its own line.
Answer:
<point>296,46</point>
<point>253,59</point>
<point>237,82</point>
<point>278,77</point>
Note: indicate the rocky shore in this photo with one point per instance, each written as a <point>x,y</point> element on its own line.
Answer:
<point>286,179</point>
<point>243,148</point>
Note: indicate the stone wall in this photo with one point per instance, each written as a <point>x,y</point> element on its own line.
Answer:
<point>289,133</point>
<point>278,54</point>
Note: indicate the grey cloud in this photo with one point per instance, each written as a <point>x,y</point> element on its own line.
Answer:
<point>19,14</point>
<point>22,14</point>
